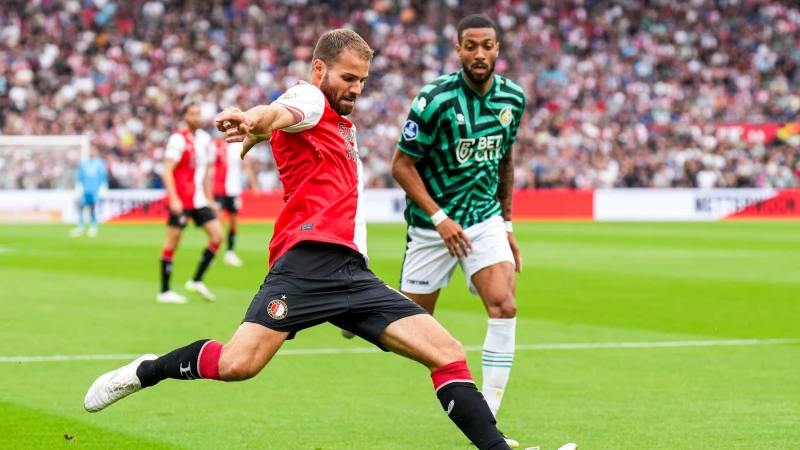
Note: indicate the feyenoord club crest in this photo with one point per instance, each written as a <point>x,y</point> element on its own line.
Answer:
<point>277,309</point>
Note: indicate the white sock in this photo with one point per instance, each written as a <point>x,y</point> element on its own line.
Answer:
<point>498,354</point>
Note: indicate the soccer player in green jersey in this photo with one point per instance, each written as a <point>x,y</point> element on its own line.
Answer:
<point>454,161</point>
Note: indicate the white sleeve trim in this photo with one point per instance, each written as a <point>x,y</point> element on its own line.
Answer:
<point>307,100</point>
<point>175,147</point>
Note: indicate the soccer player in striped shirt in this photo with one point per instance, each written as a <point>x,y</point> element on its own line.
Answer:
<point>454,161</point>
<point>188,184</point>
<point>229,171</point>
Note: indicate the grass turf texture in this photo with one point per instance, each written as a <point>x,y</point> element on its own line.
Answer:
<point>583,282</point>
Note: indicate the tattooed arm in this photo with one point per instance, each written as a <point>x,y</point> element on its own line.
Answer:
<point>505,188</point>
<point>505,175</point>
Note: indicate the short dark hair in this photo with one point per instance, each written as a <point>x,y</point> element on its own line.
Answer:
<point>332,43</point>
<point>477,21</point>
<point>186,107</point>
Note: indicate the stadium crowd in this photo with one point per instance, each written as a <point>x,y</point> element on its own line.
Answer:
<point>620,93</point>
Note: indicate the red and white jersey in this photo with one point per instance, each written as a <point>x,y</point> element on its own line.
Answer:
<point>227,168</point>
<point>191,151</point>
<point>317,160</point>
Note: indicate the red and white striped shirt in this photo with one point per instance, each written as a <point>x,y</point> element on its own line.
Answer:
<point>318,163</point>
<point>191,152</point>
<point>227,168</point>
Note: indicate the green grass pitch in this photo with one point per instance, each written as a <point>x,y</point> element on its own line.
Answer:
<point>582,283</point>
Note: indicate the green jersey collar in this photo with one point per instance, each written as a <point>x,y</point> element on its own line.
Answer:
<point>469,90</point>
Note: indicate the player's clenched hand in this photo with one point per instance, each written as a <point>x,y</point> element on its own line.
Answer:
<point>234,123</point>
<point>512,241</point>
<point>237,127</point>
<point>454,237</point>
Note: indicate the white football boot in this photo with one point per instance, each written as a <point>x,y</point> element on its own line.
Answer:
<point>76,232</point>
<point>564,447</point>
<point>231,259</point>
<point>92,232</point>
<point>200,288</point>
<point>511,442</point>
<point>170,297</point>
<point>115,385</point>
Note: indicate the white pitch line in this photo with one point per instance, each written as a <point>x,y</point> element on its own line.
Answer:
<point>472,348</point>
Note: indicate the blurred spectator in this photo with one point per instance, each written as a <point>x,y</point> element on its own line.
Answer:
<point>619,92</point>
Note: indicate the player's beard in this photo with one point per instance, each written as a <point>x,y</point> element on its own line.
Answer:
<point>478,79</point>
<point>343,109</point>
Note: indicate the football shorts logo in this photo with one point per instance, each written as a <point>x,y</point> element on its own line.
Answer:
<point>410,130</point>
<point>287,96</point>
<point>421,104</point>
<point>506,116</point>
<point>460,118</point>
<point>277,309</point>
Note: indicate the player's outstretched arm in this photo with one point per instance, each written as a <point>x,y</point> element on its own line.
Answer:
<point>254,125</point>
<point>407,175</point>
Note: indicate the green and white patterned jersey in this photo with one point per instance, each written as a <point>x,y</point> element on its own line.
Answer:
<point>461,136</point>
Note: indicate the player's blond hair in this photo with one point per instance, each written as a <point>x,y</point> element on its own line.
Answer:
<point>333,42</point>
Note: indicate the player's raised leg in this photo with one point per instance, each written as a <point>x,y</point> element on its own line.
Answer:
<point>422,339</point>
<point>213,228</point>
<point>497,327</point>
<point>173,237</point>
<point>243,357</point>
<point>496,285</point>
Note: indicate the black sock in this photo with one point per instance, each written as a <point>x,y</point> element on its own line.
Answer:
<point>166,272</point>
<point>231,238</point>
<point>467,408</point>
<point>180,364</point>
<point>205,261</point>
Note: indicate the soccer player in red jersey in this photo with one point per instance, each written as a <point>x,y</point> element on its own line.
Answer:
<point>318,264</point>
<point>188,185</point>
<point>229,168</point>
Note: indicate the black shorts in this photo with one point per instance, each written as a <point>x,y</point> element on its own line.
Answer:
<point>199,215</point>
<point>229,203</point>
<point>316,282</point>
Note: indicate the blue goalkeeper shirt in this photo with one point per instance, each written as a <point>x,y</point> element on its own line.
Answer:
<point>92,175</point>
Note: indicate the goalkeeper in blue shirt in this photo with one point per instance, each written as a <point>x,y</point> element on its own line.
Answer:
<point>91,185</point>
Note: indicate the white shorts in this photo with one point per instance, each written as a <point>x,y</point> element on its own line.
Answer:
<point>428,266</point>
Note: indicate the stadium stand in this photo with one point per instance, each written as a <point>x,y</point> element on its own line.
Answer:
<point>620,94</point>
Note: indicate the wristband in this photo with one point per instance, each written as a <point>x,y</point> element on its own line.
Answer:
<point>438,217</point>
<point>509,226</point>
